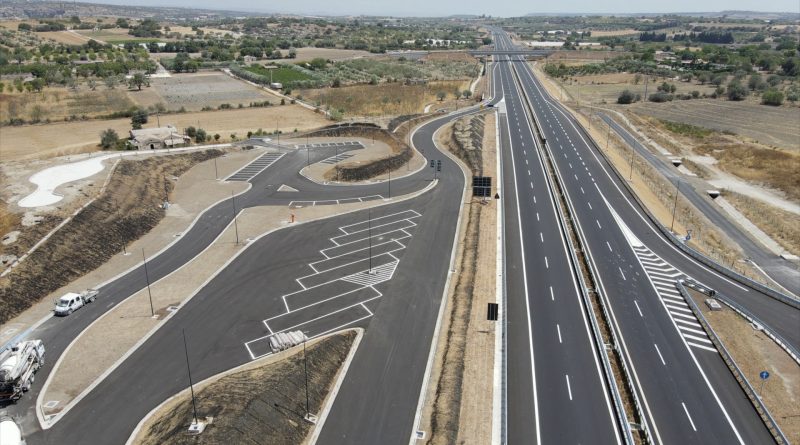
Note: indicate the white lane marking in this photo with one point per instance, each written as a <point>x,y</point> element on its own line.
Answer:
<point>529,172</point>
<point>638,308</point>
<point>598,224</point>
<point>541,237</point>
<point>609,246</point>
<point>622,273</point>
<point>534,199</point>
<point>537,216</point>
<point>558,328</point>
<point>552,295</point>
<point>546,264</point>
<point>526,162</point>
<point>687,415</point>
<point>590,205</point>
<point>569,390</point>
<point>582,190</point>
<point>659,355</point>
<point>531,185</point>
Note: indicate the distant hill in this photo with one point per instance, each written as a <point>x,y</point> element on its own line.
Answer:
<point>736,15</point>
<point>27,9</point>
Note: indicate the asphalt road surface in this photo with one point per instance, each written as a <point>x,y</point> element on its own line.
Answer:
<point>230,311</point>
<point>689,395</point>
<point>780,270</point>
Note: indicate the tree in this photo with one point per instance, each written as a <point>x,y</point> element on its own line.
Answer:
<point>755,82</point>
<point>626,97</point>
<point>703,77</point>
<point>191,132</point>
<point>736,91</point>
<point>122,23</point>
<point>137,81</point>
<point>109,139</point>
<point>791,67</point>
<point>637,78</point>
<point>216,137</point>
<point>336,83</point>
<point>138,118</point>
<point>110,81</point>
<point>772,97</point>
<point>200,135</point>
<point>467,93</point>
<point>441,95</point>
<point>292,53</point>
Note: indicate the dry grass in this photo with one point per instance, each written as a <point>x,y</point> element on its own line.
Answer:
<point>193,91</point>
<point>382,99</point>
<point>35,141</point>
<point>779,224</point>
<point>613,32</point>
<point>306,54</point>
<point>59,103</point>
<point>65,37</point>
<point>773,168</point>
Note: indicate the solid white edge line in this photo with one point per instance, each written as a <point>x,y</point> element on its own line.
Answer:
<point>500,296</point>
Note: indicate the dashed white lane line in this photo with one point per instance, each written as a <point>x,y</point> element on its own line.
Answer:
<point>541,237</point>
<point>622,273</point>
<point>598,224</point>
<point>689,416</point>
<point>537,216</point>
<point>659,355</point>
<point>569,390</point>
<point>583,191</point>
<point>638,308</point>
<point>531,184</point>
<point>546,263</point>
<point>558,328</point>
<point>590,205</point>
<point>609,247</point>
<point>552,295</point>
<point>534,199</point>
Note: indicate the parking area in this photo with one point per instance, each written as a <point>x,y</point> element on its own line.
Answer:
<point>255,167</point>
<point>341,290</point>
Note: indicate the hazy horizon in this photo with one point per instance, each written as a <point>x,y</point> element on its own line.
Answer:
<point>423,8</point>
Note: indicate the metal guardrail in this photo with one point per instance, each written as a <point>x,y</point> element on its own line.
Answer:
<point>749,316</point>
<point>755,399</point>
<point>619,406</point>
<point>786,299</point>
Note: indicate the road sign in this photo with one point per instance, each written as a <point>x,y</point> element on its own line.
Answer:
<point>764,375</point>
<point>482,186</point>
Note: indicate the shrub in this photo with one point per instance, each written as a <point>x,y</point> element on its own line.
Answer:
<point>660,97</point>
<point>191,132</point>
<point>736,91</point>
<point>627,97</point>
<point>200,135</point>
<point>772,97</point>
<point>109,139</point>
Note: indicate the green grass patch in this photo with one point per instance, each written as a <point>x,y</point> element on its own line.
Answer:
<point>686,129</point>
<point>281,74</point>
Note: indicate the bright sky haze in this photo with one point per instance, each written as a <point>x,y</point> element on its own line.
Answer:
<point>506,8</point>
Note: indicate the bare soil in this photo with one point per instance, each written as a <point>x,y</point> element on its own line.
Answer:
<point>263,404</point>
<point>779,224</point>
<point>754,352</point>
<point>307,54</point>
<point>381,99</point>
<point>193,91</point>
<point>128,209</point>
<point>57,139</point>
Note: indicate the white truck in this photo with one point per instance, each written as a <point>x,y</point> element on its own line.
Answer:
<point>10,432</point>
<point>18,364</point>
<point>71,301</point>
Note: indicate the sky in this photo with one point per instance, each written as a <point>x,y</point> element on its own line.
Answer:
<point>503,8</point>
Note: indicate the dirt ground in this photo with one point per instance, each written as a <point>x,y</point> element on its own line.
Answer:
<point>459,396</point>
<point>262,402</point>
<point>754,352</point>
<point>381,99</point>
<point>127,209</point>
<point>58,139</point>
<point>193,91</point>
<point>779,224</point>
<point>60,103</point>
<point>65,37</point>
<point>193,193</point>
<point>773,126</point>
<point>373,150</point>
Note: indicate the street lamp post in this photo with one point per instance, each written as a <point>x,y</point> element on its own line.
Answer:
<point>235,223</point>
<point>147,279</point>
<point>675,204</point>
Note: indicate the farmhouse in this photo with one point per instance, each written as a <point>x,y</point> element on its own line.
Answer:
<point>161,137</point>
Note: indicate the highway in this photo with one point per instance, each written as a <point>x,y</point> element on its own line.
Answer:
<point>689,396</point>
<point>557,392</point>
<point>778,269</point>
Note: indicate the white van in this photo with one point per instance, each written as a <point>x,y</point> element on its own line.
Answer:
<point>71,302</point>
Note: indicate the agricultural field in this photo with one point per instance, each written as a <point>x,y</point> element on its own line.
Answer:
<point>773,126</point>
<point>606,88</point>
<point>65,37</point>
<point>309,53</point>
<point>60,103</point>
<point>280,74</point>
<point>198,90</point>
<point>382,99</point>
<point>113,35</point>
<point>58,139</point>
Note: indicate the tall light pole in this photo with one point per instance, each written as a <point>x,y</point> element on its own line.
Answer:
<point>235,223</point>
<point>675,204</point>
<point>189,369</point>
<point>147,279</point>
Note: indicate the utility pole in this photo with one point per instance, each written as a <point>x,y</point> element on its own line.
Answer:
<point>675,205</point>
<point>216,172</point>
<point>189,369</point>
<point>235,223</point>
<point>147,279</point>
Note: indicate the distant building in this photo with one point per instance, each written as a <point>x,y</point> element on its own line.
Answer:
<point>155,138</point>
